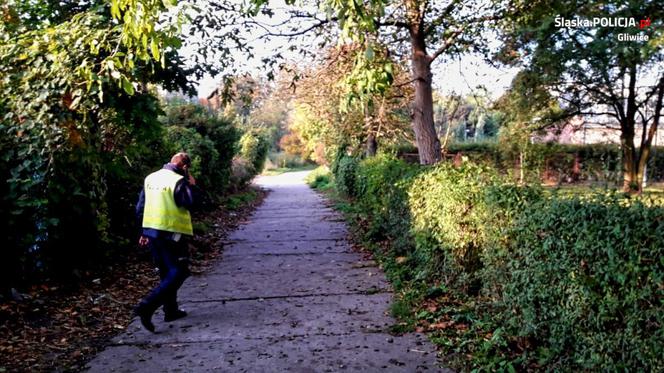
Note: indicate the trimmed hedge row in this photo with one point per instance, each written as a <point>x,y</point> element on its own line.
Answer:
<point>586,279</point>
<point>578,278</point>
<point>557,162</point>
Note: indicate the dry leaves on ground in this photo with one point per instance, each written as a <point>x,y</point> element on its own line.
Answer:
<point>58,328</point>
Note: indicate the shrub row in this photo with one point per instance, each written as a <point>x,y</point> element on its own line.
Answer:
<point>577,279</point>
<point>81,212</point>
<point>585,281</point>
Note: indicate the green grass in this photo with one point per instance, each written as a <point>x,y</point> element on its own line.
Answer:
<point>235,201</point>
<point>320,179</point>
<point>654,192</point>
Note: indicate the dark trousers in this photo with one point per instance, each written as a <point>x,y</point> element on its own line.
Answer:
<point>172,259</point>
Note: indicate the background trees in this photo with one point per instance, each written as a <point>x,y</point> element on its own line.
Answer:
<point>332,109</point>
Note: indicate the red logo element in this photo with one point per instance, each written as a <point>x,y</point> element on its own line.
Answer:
<point>644,23</point>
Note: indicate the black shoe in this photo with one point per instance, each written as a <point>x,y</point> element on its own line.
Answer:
<point>146,318</point>
<point>175,315</point>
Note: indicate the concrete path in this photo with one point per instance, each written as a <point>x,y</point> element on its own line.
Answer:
<point>288,295</point>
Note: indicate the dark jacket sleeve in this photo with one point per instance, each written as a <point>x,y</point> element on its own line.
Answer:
<point>140,206</point>
<point>186,195</point>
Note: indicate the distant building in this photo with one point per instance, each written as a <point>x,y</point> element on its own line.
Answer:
<point>214,101</point>
<point>579,131</point>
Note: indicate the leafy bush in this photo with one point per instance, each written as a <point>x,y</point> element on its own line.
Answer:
<point>242,171</point>
<point>557,282</point>
<point>586,283</point>
<point>382,184</point>
<point>504,204</point>
<point>346,169</point>
<point>204,156</point>
<point>254,147</point>
<point>457,218</point>
<point>212,142</point>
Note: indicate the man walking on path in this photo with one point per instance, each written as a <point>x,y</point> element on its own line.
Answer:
<point>163,209</point>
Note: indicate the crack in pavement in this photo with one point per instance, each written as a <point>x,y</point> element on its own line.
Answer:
<point>273,339</point>
<point>294,296</point>
<point>312,253</point>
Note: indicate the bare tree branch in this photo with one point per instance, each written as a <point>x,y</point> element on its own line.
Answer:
<point>446,45</point>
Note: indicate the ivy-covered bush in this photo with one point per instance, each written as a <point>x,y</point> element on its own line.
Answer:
<point>79,131</point>
<point>585,283</point>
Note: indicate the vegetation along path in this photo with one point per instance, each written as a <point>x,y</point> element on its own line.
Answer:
<point>289,295</point>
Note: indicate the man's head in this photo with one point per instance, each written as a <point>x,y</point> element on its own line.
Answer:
<point>182,161</point>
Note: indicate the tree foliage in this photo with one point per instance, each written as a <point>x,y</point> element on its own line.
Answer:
<point>78,126</point>
<point>420,30</point>
<point>325,116</point>
<point>593,70</point>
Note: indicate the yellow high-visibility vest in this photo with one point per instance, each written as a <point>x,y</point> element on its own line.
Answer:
<point>160,211</point>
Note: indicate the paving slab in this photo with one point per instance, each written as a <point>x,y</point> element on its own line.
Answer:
<point>289,295</point>
<point>288,247</point>
<point>331,279</point>
<point>349,352</point>
<point>269,318</point>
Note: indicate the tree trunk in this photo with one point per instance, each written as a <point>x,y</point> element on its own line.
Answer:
<point>428,144</point>
<point>646,145</point>
<point>631,182</point>
<point>372,145</point>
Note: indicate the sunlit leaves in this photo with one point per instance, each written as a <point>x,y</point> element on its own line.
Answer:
<point>143,33</point>
<point>357,18</point>
<point>370,78</point>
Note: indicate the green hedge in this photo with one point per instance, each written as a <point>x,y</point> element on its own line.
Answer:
<point>345,176</point>
<point>211,142</point>
<point>78,214</point>
<point>382,183</point>
<point>586,279</point>
<point>254,147</point>
<point>578,281</point>
<point>555,162</point>
<point>320,178</point>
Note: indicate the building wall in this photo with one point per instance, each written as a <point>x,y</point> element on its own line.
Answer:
<point>576,132</point>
